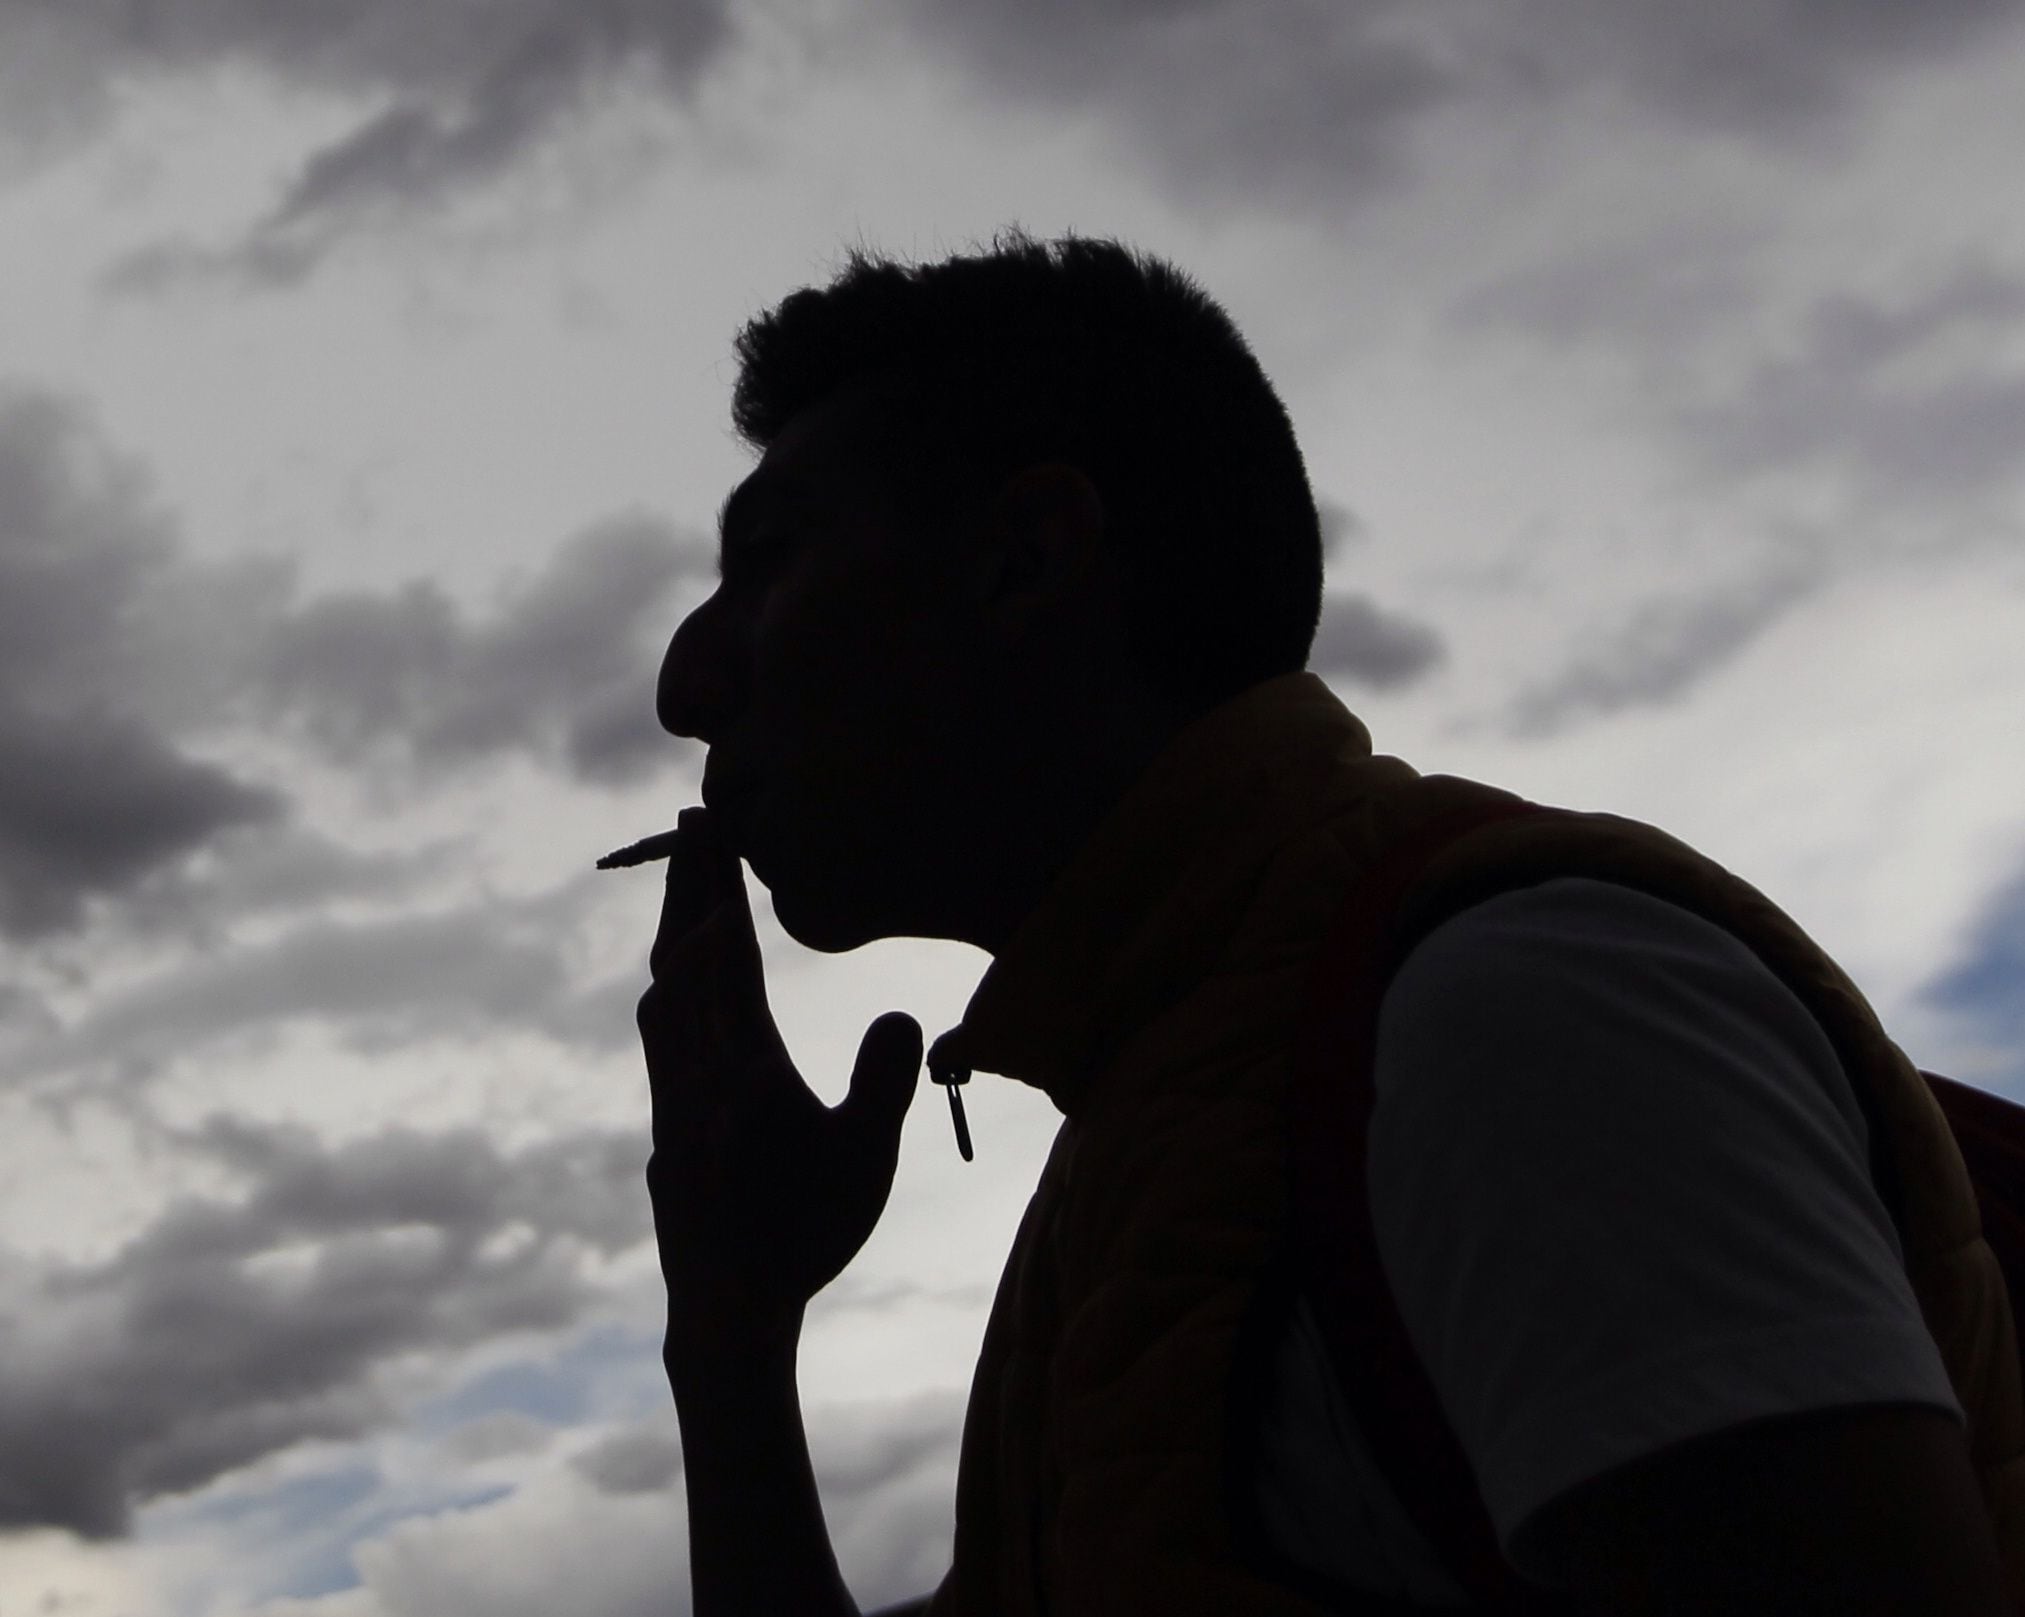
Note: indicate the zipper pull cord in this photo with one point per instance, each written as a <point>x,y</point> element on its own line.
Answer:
<point>951,1073</point>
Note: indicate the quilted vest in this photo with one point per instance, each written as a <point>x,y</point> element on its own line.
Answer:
<point>1163,994</point>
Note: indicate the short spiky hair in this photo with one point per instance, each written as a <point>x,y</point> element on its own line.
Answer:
<point>1085,351</point>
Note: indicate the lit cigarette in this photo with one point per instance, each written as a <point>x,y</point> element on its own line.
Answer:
<point>645,851</point>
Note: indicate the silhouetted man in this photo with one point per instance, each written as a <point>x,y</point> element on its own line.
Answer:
<point>1010,647</point>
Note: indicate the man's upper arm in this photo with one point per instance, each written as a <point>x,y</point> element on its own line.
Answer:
<point>1860,1511</point>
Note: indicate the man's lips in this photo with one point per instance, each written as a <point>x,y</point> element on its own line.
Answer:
<point>721,797</point>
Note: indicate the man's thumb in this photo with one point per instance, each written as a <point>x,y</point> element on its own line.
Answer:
<point>887,1074</point>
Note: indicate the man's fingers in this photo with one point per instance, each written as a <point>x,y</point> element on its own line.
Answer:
<point>692,889</point>
<point>706,915</point>
<point>693,1064</point>
<point>705,1024</point>
<point>738,970</point>
<point>682,901</point>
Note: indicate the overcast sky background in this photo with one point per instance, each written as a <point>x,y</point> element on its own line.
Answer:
<point>364,371</point>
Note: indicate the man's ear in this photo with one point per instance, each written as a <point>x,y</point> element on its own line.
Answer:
<point>1056,504</point>
<point>1049,520</point>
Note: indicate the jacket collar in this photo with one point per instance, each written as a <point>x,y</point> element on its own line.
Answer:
<point>1131,922</point>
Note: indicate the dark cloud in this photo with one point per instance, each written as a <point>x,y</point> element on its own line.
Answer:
<point>1361,641</point>
<point>1773,69</point>
<point>1282,104</point>
<point>503,1434</point>
<point>233,1330</point>
<point>1270,102</point>
<point>515,80</point>
<point>1343,530</point>
<point>89,804</point>
<point>564,669</point>
<point>499,966</point>
<point>1274,104</point>
<point>1667,285</point>
<point>95,796</point>
<point>100,610</point>
<point>632,1462</point>
<point>1357,639</point>
<point>78,538</point>
<point>1665,648</point>
<point>1906,400</point>
<point>463,91</point>
<point>1907,409</point>
<point>24,1015</point>
<point>279,869</point>
<point>122,659</point>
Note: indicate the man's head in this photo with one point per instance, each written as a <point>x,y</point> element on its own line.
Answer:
<point>1019,518</point>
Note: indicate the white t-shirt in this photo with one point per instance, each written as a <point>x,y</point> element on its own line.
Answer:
<point>1620,1187</point>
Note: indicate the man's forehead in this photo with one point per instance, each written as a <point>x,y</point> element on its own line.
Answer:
<point>819,458</point>
<point>772,488</point>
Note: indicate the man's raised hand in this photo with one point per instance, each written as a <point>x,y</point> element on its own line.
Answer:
<point>761,1193</point>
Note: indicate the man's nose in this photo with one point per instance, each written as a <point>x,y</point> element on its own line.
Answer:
<point>693,691</point>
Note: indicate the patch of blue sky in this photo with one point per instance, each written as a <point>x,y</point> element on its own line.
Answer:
<point>1985,989</point>
<point>609,1372</point>
<point>279,1510</point>
<point>329,1568</point>
<point>304,1529</point>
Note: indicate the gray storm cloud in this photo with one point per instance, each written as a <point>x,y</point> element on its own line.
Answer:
<point>1278,102</point>
<point>122,660</point>
<point>1362,642</point>
<point>1287,104</point>
<point>227,1331</point>
<point>460,92</point>
<point>1664,648</point>
<point>1769,68</point>
<point>94,796</point>
<point>1908,402</point>
<point>492,968</point>
<point>631,1462</point>
<point>1273,103</point>
<point>235,1327</point>
<point>1910,399</point>
<point>1905,408</point>
<point>90,804</point>
<point>1357,639</point>
<point>563,668</point>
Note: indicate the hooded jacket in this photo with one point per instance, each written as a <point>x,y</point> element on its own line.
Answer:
<point>1160,994</point>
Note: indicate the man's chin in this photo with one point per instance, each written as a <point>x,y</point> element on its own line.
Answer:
<point>818,926</point>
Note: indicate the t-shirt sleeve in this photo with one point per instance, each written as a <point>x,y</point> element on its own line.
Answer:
<point>1619,1184</point>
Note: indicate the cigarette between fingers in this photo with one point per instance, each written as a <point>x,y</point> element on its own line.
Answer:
<point>645,851</point>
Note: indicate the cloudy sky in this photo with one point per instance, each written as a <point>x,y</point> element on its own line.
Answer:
<point>364,370</point>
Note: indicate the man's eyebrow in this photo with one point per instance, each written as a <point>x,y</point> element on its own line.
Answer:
<point>735,515</point>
